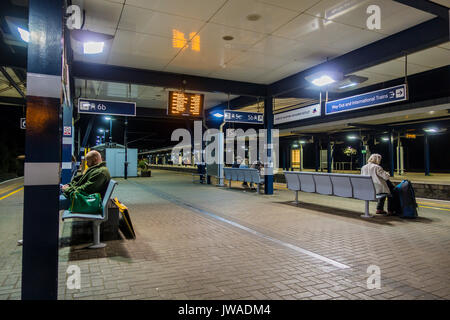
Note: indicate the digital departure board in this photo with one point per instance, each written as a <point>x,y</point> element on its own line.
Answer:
<point>185,104</point>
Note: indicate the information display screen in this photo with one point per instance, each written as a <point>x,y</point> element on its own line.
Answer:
<point>185,104</point>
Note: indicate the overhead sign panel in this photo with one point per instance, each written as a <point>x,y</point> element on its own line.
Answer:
<point>243,117</point>
<point>366,100</point>
<point>185,104</point>
<point>297,114</point>
<point>107,107</point>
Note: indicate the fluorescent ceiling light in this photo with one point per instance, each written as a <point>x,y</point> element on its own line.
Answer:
<point>323,81</point>
<point>324,77</point>
<point>108,118</point>
<point>92,47</point>
<point>348,85</point>
<point>302,141</point>
<point>385,138</point>
<point>430,130</point>
<point>24,34</point>
<point>352,137</point>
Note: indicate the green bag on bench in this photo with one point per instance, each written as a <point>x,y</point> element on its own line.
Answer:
<point>86,203</point>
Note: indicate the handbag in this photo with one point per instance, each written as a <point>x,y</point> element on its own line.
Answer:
<point>86,203</point>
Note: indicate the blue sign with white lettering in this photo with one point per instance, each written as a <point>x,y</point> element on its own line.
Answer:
<point>369,99</point>
<point>243,117</point>
<point>106,107</point>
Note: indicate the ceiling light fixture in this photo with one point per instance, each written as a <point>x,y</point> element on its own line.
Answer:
<point>24,34</point>
<point>92,42</point>
<point>323,81</point>
<point>92,47</point>
<point>323,78</point>
<point>351,81</point>
<point>227,38</point>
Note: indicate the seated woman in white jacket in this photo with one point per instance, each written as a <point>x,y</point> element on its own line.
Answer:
<point>381,182</point>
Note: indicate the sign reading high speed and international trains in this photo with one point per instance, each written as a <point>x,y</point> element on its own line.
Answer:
<point>185,104</point>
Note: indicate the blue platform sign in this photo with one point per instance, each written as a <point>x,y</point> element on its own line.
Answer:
<point>243,117</point>
<point>107,107</point>
<point>366,100</point>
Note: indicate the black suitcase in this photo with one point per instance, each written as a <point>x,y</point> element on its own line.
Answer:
<point>406,200</point>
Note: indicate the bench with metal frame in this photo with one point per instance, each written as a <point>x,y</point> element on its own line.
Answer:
<point>334,184</point>
<point>96,219</point>
<point>248,175</point>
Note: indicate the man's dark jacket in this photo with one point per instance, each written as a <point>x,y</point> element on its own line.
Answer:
<point>94,180</point>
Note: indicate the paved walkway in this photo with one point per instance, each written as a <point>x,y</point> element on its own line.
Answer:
<point>204,242</point>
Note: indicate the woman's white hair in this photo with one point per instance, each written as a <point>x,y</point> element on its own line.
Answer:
<point>375,158</point>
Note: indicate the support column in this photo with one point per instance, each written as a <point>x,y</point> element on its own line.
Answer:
<point>67,142</point>
<point>426,154</point>
<point>42,151</point>
<point>125,143</point>
<point>316,154</point>
<point>301,157</point>
<point>329,157</point>
<point>391,153</point>
<point>268,125</point>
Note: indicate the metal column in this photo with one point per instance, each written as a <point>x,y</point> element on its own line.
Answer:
<point>268,125</point>
<point>42,151</point>
<point>125,143</point>
<point>426,154</point>
<point>391,153</point>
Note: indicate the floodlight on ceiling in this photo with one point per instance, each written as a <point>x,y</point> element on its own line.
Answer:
<point>92,47</point>
<point>24,34</point>
<point>323,78</point>
<point>385,138</point>
<point>352,137</point>
<point>351,81</point>
<point>92,42</point>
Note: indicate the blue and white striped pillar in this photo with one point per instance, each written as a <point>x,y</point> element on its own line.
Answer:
<point>42,151</point>
<point>268,125</point>
<point>67,143</point>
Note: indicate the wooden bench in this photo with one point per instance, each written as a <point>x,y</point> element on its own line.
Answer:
<point>96,219</point>
<point>334,184</point>
<point>248,175</point>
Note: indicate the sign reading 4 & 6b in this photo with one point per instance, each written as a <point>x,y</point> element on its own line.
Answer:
<point>107,107</point>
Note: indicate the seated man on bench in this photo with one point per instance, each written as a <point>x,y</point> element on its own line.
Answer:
<point>94,180</point>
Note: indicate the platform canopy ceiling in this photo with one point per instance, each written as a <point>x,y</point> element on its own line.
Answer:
<point>268,39</point>
<point>144,96</point>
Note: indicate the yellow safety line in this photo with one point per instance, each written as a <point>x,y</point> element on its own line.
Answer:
<point>10,194</point>
<point>434,204</point>
<point>434,208</point>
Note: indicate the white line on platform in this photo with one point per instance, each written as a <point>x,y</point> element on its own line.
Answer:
<point>184,204</point>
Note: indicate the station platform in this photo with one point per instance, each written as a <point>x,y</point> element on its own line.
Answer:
<point>435,186</point>
<point>199,241</point>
